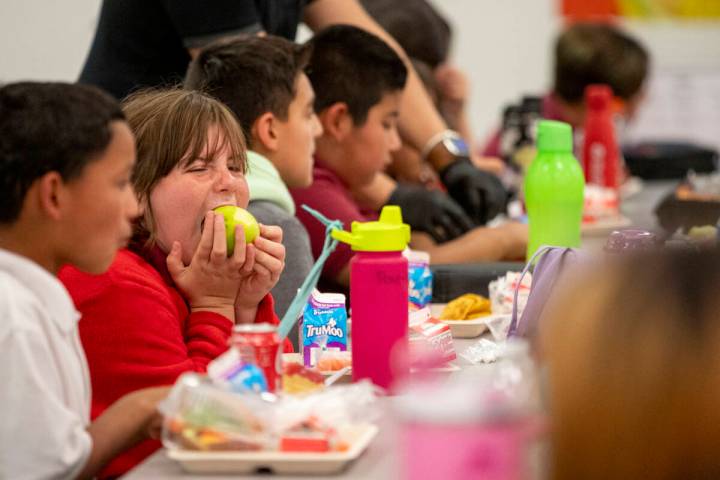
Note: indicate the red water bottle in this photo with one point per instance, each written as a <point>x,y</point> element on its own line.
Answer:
<point>600,155</point>
<point>378,296</point>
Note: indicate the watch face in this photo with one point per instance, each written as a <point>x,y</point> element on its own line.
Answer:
<point>456,146</point>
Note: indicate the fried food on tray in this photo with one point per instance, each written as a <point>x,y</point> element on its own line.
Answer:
<point>466,307</point>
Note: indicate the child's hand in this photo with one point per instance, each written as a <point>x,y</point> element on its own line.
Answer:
<point>211,281</point>
<point>150,397</point>
<point>144,403</point>
<point>269,264</point>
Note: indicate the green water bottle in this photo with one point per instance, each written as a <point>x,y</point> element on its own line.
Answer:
<point>554,189</point>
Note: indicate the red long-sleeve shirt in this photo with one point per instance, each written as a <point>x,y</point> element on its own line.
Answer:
<point>137,332</point>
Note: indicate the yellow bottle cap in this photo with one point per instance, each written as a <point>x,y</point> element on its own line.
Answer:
<point>388,234</point>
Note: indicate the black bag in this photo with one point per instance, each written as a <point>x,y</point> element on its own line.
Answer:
<point>668,160</point>
<point>451,281</point>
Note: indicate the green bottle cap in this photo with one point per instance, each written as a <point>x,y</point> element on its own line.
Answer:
<point>554,136</point>
<point>388,234</point>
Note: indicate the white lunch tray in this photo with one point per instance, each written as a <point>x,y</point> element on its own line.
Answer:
<point>280,463</point>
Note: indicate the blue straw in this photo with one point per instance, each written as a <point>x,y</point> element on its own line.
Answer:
<point>293,311</point>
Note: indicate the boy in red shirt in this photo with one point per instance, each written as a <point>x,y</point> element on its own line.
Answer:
<point>358,82</point>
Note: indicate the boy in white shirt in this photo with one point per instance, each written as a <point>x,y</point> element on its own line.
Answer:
<point>66,156</point>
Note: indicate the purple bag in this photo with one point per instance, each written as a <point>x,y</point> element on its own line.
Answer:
<point>552,261</point>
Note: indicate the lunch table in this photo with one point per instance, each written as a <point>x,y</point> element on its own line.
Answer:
<point>380,460</point>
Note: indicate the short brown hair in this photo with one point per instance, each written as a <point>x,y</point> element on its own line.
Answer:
<point>171,128</point>
<point>589,53</point>
<point>633,356</point>
<point>251,75</point>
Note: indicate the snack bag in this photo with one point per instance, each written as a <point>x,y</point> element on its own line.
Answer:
<point>419,277</point>
<point>430,340</point>
<point>325,420</point>
<point>229,370</point>
<point>502,292</point>
<point>323,326</point>
<point>200,415</point>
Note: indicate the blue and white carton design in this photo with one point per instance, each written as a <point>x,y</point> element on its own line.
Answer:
<point>420,277</point>
<point>323,326</point>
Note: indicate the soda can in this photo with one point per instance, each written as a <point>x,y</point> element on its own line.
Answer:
<point>259,344</point>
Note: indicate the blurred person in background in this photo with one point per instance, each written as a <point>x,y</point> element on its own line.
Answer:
<point>589,53</point>
<point>141,43</point>
<point>633,358</point>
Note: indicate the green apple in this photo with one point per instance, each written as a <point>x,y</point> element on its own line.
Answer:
<point>235,215</point>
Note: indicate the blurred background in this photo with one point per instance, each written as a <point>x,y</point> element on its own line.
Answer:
<point>504,47</point>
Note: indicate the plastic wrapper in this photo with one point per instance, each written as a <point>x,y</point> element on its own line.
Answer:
<point>430,340</point>
<point>232,372</point>
<point>499,325</point>
<point>505,388</point>
<point>482,351</point>
<point>502,292</point>
<point>324,421</point>
<point>201,415</point>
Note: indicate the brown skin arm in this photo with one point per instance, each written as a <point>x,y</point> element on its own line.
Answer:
<point>507,242</point>
<point>125,423</point>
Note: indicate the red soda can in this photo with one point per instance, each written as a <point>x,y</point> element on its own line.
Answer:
<point>259,343</point>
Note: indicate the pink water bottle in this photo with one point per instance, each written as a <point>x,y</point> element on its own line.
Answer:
<point>480,424</point>
<point>378,296</point>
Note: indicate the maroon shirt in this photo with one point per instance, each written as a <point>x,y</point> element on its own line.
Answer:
<point>329,195</point>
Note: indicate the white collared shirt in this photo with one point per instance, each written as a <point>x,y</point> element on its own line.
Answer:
<point>44,379</point>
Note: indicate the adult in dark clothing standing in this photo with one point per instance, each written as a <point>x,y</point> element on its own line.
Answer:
<point>140,43</point>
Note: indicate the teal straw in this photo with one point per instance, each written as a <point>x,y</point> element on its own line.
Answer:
<point>293,311</point>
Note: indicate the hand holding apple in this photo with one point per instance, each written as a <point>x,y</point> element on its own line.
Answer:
<point>212,279</point>
<point>269,264</point>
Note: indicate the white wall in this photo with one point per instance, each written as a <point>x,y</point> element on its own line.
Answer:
<point>48,40</point>
<point>506,50</point>
<point>504,46</point>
